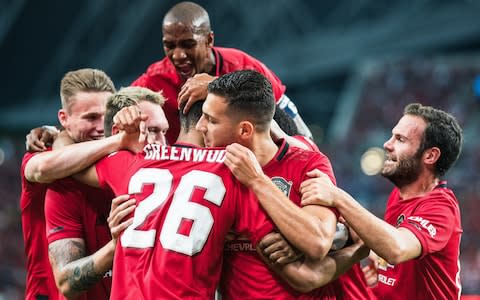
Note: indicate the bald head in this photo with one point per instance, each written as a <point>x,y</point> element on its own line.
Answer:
<point>189,14</point>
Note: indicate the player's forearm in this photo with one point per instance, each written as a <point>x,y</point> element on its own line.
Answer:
<point>52,165</point>
<point>81,274</point>
<point>345,258</point>
<point>386,240</point>
<point>292,220</point>
<point>307,275</point>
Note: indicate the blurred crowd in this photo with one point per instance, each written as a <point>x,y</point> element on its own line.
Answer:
<point>387,88</point>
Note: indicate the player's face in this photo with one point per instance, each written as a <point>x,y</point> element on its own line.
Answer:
<point>190,53</point>
<point>157,124</point>
<point>403,162</point>
<point>217,127</point>
<point>84,121</point>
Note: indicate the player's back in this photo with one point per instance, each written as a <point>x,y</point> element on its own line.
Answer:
<point>187,201</point>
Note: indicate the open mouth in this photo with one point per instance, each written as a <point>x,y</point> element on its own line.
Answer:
<point>185,70</point>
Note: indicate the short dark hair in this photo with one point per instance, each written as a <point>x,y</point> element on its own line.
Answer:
<point>190,119</point>
<point>248,95</point>
<point>442,131</point>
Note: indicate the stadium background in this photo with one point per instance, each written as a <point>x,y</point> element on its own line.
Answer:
<point>350,66</point>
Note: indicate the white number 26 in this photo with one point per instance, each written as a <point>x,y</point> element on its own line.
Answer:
<point>180,208</point>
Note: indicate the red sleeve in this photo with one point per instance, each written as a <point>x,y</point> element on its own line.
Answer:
<point>111,169</point>
<point>321,162</point>
<point>62,206</point>
<point>251,219</point>
<point>433,222</point>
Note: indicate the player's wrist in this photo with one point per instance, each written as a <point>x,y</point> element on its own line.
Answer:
<point>258,183</point>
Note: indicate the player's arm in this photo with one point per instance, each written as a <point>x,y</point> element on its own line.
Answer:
<point>316,223</point>
<point>307,274</point>
<point>290,108</point>
<point>49,166</point>
<point>395,245</point>
<point>74,272</point>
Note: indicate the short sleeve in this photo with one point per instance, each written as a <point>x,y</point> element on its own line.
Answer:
<point>321,162</point>
<point>62,207</point>
<point>433,222</point>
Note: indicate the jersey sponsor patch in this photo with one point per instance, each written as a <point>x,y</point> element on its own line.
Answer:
<point>284,185</point>
<point>424,224</point>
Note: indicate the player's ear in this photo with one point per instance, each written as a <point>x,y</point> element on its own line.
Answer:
<point>431,155</point>
<point>210,39</point>
<point>62,117</point>
<point>245,129</point>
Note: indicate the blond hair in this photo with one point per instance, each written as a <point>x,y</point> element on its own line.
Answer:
<point>83,80</point>
<point>125,97</point>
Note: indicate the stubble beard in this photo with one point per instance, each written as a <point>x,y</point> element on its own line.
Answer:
<point>405,172</point>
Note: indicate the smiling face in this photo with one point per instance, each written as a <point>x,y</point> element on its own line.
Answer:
<point>404,163</point>
<point>188,51</point>
<point>83,120</point>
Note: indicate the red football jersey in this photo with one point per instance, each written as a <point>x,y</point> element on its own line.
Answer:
<point>75,210</point>
<point>40,279</point>
<point>162,76</point>
<point>245,276</point>
<point>435,221</point>
<point>352,285</point>
<point>187,201</point>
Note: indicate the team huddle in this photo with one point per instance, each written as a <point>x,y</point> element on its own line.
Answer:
<point>201,181</point>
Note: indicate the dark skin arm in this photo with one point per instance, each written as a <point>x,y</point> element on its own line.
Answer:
<point>38,139</point>
<point>307,274</point>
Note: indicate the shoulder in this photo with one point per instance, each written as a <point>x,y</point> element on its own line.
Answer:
<point>159,69</point>
<point>235,59</point>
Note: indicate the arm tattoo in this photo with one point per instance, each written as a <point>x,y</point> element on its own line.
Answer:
<point>68,256</point>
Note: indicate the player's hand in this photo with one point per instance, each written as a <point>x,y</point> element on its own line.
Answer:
<point>369,269</point>
<point>132,122</point>
<point>243,164</point>
<point>40,138</point>
<point>277,250</point>
<point>319,189</point>
<point>122,206</point>
<point>193,90</point>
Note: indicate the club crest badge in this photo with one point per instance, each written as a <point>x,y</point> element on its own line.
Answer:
<point>283,185</point>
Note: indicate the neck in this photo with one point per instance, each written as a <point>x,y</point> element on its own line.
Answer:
<point>264,148</point>
<point>211,64</point>
<point>425,183</point>
<point>191,137</point>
